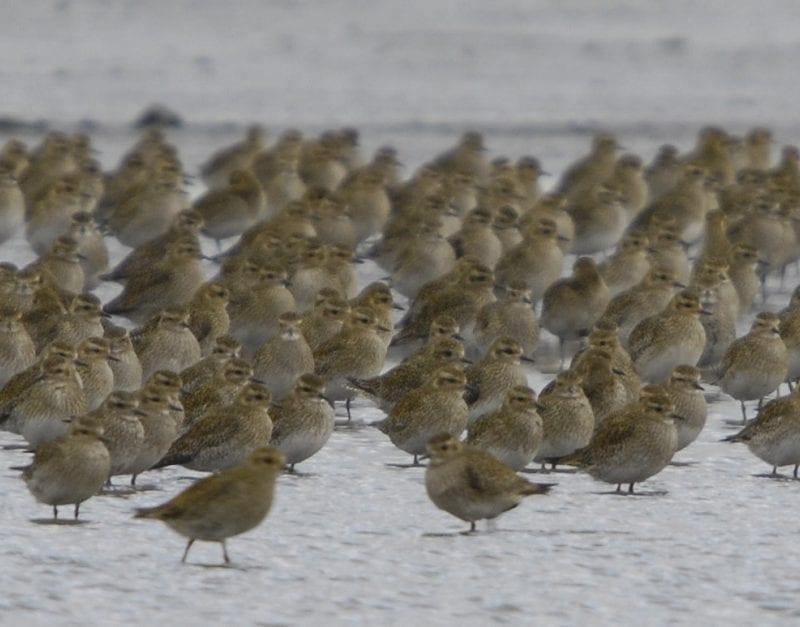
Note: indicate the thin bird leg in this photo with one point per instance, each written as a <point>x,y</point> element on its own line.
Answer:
<point>795,470</point>
<point>619,488</point>
<point>744,413</point>
<point>347,407</point>
<point>186,552</point>
<point>55,512</point>
<point>630,489</point>
<point>77,507</point>
<point>225,552</point>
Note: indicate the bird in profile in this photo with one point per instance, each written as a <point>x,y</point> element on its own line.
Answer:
<point>472,484</point>
<point>223,505</point>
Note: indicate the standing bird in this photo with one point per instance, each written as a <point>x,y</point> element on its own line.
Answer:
<point>571,306</point>
<point>428,410</point>
<point>632,445</point>
<point>755,364</point>
<point>225,504</point>
<point>472,484</point>
<point>71,468</point>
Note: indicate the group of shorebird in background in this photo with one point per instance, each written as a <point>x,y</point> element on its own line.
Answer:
<point>238,375</point>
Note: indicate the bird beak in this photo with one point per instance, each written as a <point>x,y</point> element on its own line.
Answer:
<point>697,386</point>
<point>527,359</point>
<point>398,307</point>
<point>113,358</point>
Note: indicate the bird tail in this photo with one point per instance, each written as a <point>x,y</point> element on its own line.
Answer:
<point>538,488</point>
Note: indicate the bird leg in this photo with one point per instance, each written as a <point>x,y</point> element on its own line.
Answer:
<point>744,413</point>
<point>347,407</point>
<point>630,489</point>
<point>795,470</point>
<point>225,552</point>
<point>186,552</point>
<point>619,488</point>
<point>55,512</point>
<point>77,507</point>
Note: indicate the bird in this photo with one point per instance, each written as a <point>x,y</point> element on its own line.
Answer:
<point>592,169</point>
<point>71,468</point>
<point>167,343</point>
<point>123,433</point>
<point>221,389</point>
<point>225,504</point>
<point>774,434</point>
<point>670,338</point>
<point>686,393</point>
<point>633,445</point>
<point>567,419</point>
<point>169,282</point>
<point>38,413</point>
<point>513,316</point>
<point>755,364</point>
<point>208,314</point>
<point>225,434</point>
<point>388,388</point>
<point>160,430</point>
<point>231,210</point>
<point>427,410</point>
<point>356,351</point>
<point>303,423</point>
<point>17,350</point>
<point>490,377</point>
<point>472,484</point>
<point>571,306</point>
<point>283,358</point>
<point>123,360</point>
<point>92,364</point>
<point>513,433</point>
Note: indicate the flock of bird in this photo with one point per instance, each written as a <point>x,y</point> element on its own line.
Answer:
<point>237,374</point>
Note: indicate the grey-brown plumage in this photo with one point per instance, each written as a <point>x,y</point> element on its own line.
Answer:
<point>160,429</point>
<point>571,306</point>
<point>91,246</point>
<point>169,384</point>
<point>221,389</point>
<point>472,484</point>
<point>70,468</point>
<point>254,314</point>
<point>356,351</point>
<point>425,411</point>
<point>325,320</point>
<point>233,209</point>
<point>123,433</point>
<point>93,367</point>
<point>510,316</point>
<point>17,351</point>
<point>491,377</point>
<point>388,388</point>
<point>39,413</point>
<point>224,436</point>
<point>513,433</point>
<point>603,383</point>
<point>225,504</point>
<point>208,314</point>
<point>226,347</point>
<point>186,227</point>
<point>774,434</point>
<point>82,320</point>
<point>686,394</point>
<point>303,422</point>
<point>169,282</point>
<point>283,357</point>
<point>632,445</point>
<point>461,301</point>
<point>123,360</point>
<point>756,364</point>
<point>673,337</point>
<point>60,267</point>
<point>567,419</point>
<point>647,298</point>
<point>167,343</point>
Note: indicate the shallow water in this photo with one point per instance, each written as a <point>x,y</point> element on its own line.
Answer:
<point>352,540</point>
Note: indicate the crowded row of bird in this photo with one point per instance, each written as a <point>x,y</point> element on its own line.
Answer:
<point>245,330</point>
